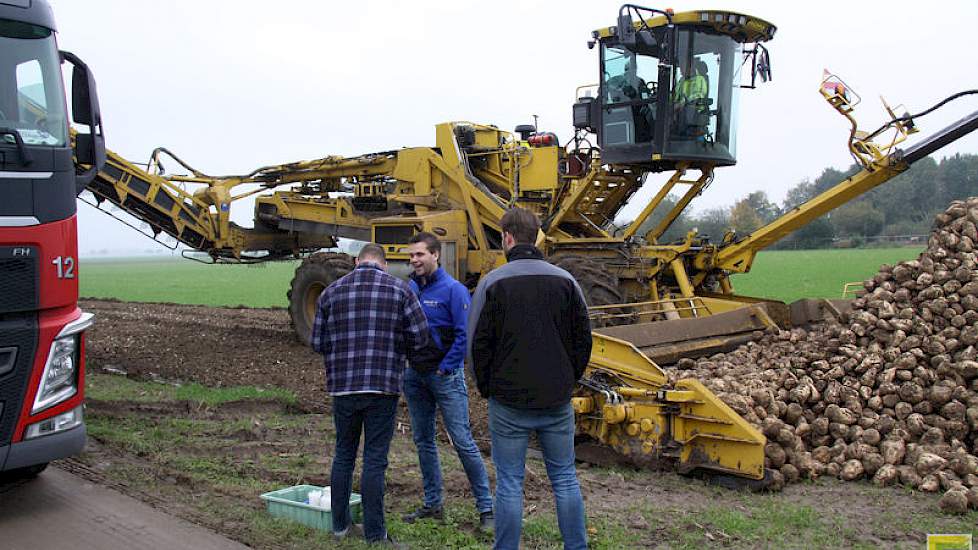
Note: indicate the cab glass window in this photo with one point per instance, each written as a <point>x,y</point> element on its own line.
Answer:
<point>705,95</point>
<point>32,100</point>
<point>628,85</point>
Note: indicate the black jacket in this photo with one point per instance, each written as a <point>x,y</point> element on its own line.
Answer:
<point>529,334</point>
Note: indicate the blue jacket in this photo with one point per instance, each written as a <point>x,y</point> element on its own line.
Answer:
<point>445,302</point>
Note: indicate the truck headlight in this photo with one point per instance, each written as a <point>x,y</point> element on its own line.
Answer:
<point>60,378</point>
<point>59,381</point>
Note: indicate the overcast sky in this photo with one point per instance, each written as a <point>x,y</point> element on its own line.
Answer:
<point>234,85</point>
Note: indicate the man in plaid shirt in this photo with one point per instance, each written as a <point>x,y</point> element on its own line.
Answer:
<point>366,323</point>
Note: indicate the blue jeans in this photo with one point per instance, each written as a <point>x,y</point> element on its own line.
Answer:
<point>510,429</point>
<point>425,393</point>
<point>373,415</point>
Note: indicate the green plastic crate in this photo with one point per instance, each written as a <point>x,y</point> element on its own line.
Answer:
<point>290,503</point>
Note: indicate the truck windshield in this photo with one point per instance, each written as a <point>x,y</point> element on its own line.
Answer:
<point>32,99</point>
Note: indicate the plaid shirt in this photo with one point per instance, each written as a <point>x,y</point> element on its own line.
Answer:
<point>365,324</point>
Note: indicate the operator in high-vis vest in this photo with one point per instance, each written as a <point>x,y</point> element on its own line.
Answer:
<point>693,86</point>
<point>691,102</point>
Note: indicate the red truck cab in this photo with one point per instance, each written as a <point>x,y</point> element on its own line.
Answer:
<point>42,169</point>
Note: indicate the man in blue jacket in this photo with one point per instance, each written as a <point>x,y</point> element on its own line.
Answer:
<point>436,381</point>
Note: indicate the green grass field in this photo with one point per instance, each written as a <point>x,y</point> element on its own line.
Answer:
<point>186,282</point>
<point>785,275</point>
<point>790,275</point>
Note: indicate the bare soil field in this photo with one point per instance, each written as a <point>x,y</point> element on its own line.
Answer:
<point>229,452</point>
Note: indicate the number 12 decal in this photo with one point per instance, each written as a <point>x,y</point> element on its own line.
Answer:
<point>66,267</point>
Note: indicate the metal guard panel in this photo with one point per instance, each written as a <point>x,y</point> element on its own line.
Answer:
<point>714,436</point>
<point>624,359</point>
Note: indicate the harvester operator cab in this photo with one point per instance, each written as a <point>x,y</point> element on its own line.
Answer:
<point>670,84</point>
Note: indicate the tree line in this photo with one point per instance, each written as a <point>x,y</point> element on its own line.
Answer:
<point>904,206</point>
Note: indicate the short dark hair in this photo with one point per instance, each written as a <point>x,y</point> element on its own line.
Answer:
<point>371,251</point>
<point>430,241</point>
<point>522,224</point>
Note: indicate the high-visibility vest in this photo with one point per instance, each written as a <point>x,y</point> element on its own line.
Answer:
<point>690,89</point>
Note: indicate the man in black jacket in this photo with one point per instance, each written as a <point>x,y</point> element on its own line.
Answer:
<point>529,342</point>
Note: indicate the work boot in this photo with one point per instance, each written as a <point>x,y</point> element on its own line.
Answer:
<point>486,522</point>
<point>434,512</point>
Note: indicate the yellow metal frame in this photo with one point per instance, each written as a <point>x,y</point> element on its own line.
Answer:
<point>850,289</point>
<point>645,419</point>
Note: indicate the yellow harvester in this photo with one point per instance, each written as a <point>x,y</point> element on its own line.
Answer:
<point>666,101</point>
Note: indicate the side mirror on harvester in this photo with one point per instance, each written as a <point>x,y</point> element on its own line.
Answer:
<point>625,30</point>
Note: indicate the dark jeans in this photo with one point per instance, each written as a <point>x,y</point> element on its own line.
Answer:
<point>373,415</point>
<point>427,393</point>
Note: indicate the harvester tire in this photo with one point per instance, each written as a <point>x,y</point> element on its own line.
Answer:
<point>316,272</point>
<point>599,286</point>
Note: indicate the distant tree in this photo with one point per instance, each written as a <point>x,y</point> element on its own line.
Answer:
<point>831,176</point>
<point>907,227</point>
<point>960,177</point>
<point>914,195</point>
<point>713,223</point>
<point>857,219</point>
<point>817,234</point>
<point>744,218</point>
<point>798,195</point>
<point>766,209</point>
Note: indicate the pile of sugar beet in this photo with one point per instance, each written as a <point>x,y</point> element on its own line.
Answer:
<point>889,393</point>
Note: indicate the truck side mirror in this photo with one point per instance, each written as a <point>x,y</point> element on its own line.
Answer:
<point>84,98</point>
<point>90,147</point>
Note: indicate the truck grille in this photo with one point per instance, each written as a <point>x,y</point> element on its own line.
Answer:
<point>17,332</point>
<point>18,279</point>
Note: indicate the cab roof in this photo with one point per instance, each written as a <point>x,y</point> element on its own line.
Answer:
<point>741,27</point>
<point>34,12</point>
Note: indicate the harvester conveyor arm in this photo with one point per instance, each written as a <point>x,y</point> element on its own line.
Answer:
<point>420,176</point>
<point>949,134</point>
<point>738,256</point>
